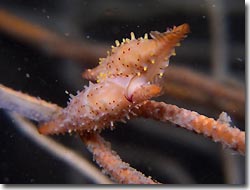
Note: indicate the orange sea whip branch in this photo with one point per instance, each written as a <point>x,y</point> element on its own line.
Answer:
<point>28,106</point>
<point>112,164</point>
<point>228,98</point>
<point>232,137</point>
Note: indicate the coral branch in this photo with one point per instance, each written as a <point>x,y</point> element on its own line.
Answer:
<point>112,163</point>
<point>28,106</point>
<point>220,132</point>
<point>13,101</point>
<point>67,155</point>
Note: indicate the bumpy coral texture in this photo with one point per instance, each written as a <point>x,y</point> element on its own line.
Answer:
<point>130,74</point>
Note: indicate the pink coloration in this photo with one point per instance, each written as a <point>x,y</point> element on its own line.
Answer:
<point>219,131</point>
<point>127,77</point>
<point>139,57</point>
<point>112,164</point>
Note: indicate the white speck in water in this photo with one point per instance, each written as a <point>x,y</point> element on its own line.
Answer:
<point>32,180</point>
<point>19,68</point>
<point>203,16</point>
<point>66,34</point>
<point>48,17</point>
<point>140,5</point>
<point>26,59</point>
<point>87,36</point>
<point>6,180</point>
<point>239,59</point>
<point>66,92</point>
<point>27,75</point>
<point>138,26</point>
<point>213,5</point>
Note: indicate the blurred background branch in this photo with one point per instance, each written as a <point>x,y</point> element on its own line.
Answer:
<point>47,40</point>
